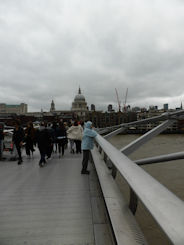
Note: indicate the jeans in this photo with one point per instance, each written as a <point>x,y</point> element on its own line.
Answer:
<point>71,144</point>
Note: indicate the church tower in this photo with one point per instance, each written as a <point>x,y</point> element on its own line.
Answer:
<point>52,107</point>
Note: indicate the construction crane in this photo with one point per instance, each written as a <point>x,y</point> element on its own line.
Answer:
<point>119,102</point>
<point>125,107</point>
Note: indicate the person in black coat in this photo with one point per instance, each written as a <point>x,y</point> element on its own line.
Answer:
<point>54,130</point>
<point>18,139</point>
<point>61,138</point>
<point>1,139</point>
<point>29,138</point>
<point>44,141</point>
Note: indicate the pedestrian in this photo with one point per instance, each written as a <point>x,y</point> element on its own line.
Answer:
<point>61,138</point>
<point>87,145</point>
<point>70,137</point>
<point>44,140</point>
<point>1,140</point>
<point>18,139</point>
<point>66,127</point>
<point>82,124</point>
<point>52,140</point>
<point>29,138</point>
<point>75,136</point>
<point>78,137</point>
<point>54,128</point>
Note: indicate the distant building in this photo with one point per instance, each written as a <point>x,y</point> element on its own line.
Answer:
<point>153,107</point>
<point>18,109</point>
<point>92,107</point>
<point>105,119</point>
<point>136,109</point>
<point>166,107</point>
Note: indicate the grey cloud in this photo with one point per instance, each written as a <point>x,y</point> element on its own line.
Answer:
<point>50,48</point>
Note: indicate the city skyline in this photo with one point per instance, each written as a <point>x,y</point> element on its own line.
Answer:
<point>50,48</point>
<point>53,107</point>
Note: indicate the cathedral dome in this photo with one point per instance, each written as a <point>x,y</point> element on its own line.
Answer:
<point>79,97</point>
<point>79,104</point>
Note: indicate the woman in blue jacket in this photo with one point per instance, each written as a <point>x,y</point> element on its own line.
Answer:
<point>87,145</point>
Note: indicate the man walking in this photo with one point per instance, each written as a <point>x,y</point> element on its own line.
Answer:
<point>18,139</point>
<point>1,140</point>
<point>87,145</point>
<point>44,142</point>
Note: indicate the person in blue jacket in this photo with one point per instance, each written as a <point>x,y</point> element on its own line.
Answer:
<point>87,144</point>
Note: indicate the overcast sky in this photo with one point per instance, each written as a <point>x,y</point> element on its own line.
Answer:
<point>50,47</point>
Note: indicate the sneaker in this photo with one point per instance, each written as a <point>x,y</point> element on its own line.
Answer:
<point>41,164</point>
<point>85,172</point>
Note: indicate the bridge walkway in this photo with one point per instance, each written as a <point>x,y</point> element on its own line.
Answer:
<point>53,205</point>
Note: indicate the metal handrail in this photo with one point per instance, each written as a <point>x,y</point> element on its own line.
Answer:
<point>165,207</point>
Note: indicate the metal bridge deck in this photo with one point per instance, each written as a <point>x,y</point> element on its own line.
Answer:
<point>52,205</point>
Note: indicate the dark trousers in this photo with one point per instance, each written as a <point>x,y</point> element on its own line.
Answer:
<point>1,148</point>
<point>42,155</point>
<point>78,146</point>
<point>19,151</point>
<point>85,159</point>
<point>29,147</point>
<point>61,144</point>
<point>49,150</point>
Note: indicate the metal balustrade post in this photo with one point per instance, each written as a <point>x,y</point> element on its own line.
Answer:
<point>99,148</point>
<point>114,171</point>
<point>133,203</point>
<point>105,157</point>
<point>109,163</point>
<point>102,154</point>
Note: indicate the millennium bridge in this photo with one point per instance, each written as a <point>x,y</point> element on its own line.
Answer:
<point>56,205</point>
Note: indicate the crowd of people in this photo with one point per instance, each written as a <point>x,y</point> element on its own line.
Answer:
<point>54,138</point>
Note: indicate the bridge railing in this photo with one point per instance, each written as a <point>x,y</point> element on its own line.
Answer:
<point>164,206</point>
